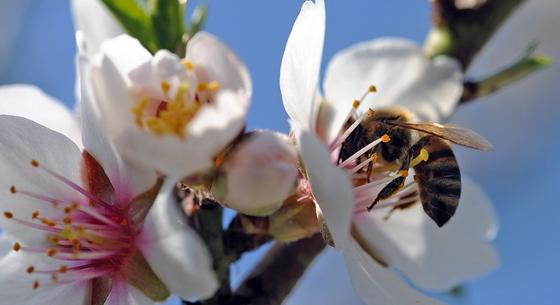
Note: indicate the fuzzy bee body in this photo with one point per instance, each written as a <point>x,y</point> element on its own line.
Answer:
<point>438,178</point>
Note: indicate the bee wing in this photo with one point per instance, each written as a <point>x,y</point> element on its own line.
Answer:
<point>456,134</point>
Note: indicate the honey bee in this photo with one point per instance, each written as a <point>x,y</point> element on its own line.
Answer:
<point>424,147</point>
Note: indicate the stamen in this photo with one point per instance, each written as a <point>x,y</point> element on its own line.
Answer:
<point>16,247</point>
<point>30,269</point>
<point>339,140</point>
<point>36,285</point>
<point>8,215</point>
<point>384,139</point>
<point>188,64</point>
<point>165,86</point>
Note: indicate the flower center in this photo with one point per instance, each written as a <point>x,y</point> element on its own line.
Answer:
<point>169,111</point>
<point>90,238</point>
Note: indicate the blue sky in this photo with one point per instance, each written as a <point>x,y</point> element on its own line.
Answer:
<point>522,121</point>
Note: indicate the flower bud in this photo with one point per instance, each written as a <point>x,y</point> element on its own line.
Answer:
<point>258,174</point>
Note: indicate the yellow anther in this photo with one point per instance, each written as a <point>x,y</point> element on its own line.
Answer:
<point>54,239</point>
<point>67,220</point>
<point>63,269</point>
<point>202,87</point>
<point>139,111</point>
<point>35,163</point>
<point>214,86</point>
<point>52,252</point>
<point>372,89</point>
<point>385,138</point>
<point>424,155</point>
<point>35,214</point>
<point>13,189</point>
<point>36,285</point>
<point>188,64</point>
<point>165,86</point>
<point>16,247</point>
<point>30,269</point>
<point>67,210</point>
<point>403,173</point>
<point>356,104</point>
<point>8,215</point>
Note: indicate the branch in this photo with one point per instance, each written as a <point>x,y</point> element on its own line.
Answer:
<point>237,241</point>
<point>462,33</point>
<point>272,280</point>
<point>521,68</point>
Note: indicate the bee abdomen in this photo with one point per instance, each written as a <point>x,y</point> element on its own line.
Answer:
<point>439,180</point>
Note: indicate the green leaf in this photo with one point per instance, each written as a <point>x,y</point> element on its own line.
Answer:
<point>141,276</point>
<point>135,20</point>
<point>168,22</point>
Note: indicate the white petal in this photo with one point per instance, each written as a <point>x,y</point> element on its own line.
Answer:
<point>220,63</point>
<point>127,179</point>
<point>174,251</point>
<point>402,74</point>
<point>331,186</point>
<point>95,22</point>
<point>110,81</point>
<point>377,285</point>
<point>22,141</point>
<point>301,64</point>
<point>16,285</point>
<point>436,258</point>
<point>32,103</point>
<point>213,128</point>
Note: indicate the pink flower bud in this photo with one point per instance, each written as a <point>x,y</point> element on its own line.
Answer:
<point>259,174</point>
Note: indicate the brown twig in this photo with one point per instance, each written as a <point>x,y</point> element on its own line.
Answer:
<point>272,280</point>
<point>468,30</point>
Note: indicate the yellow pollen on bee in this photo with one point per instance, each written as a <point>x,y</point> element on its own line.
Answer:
<point>36,285</point>
<point>372,89</point>
<point>16,247</point>
<point>385,138</point>
<point>187,64</point>
<point>403,173</point>
<point>30,269</point>
<point>34,163</point>
<point>422,157</point>
<point>8,215</point>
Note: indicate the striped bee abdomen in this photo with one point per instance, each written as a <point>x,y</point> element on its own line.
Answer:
<point>439,180</point>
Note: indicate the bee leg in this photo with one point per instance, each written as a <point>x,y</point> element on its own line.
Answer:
<point>396,184</point>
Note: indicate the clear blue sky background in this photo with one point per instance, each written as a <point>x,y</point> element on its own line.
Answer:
<point>520,176</point>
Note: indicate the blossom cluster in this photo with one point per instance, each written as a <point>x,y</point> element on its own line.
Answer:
<point>89,197</point>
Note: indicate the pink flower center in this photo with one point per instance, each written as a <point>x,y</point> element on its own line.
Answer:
<point>90,238</point>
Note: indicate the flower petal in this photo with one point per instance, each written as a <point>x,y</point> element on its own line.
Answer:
<point>402,74</point>
<point>301,64</point>
<point>213,128</point>
<point>32,103</point>
<point>22,141</point>
<point>220,63</point>
<point>95,22</point>
<point>174,251</point>
<point>331,186</point>
<point>16,285</point>
<point>124,294</point>
<point>377,285</point>
<point>127,179</point>
<point>436,258</point>
<point>110,81</point>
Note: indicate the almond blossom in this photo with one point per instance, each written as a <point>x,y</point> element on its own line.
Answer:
<point>375,242</point>
<point>85,226</point>
<point>166,113</point>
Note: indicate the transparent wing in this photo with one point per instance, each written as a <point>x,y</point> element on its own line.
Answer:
<point>456,134</point>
